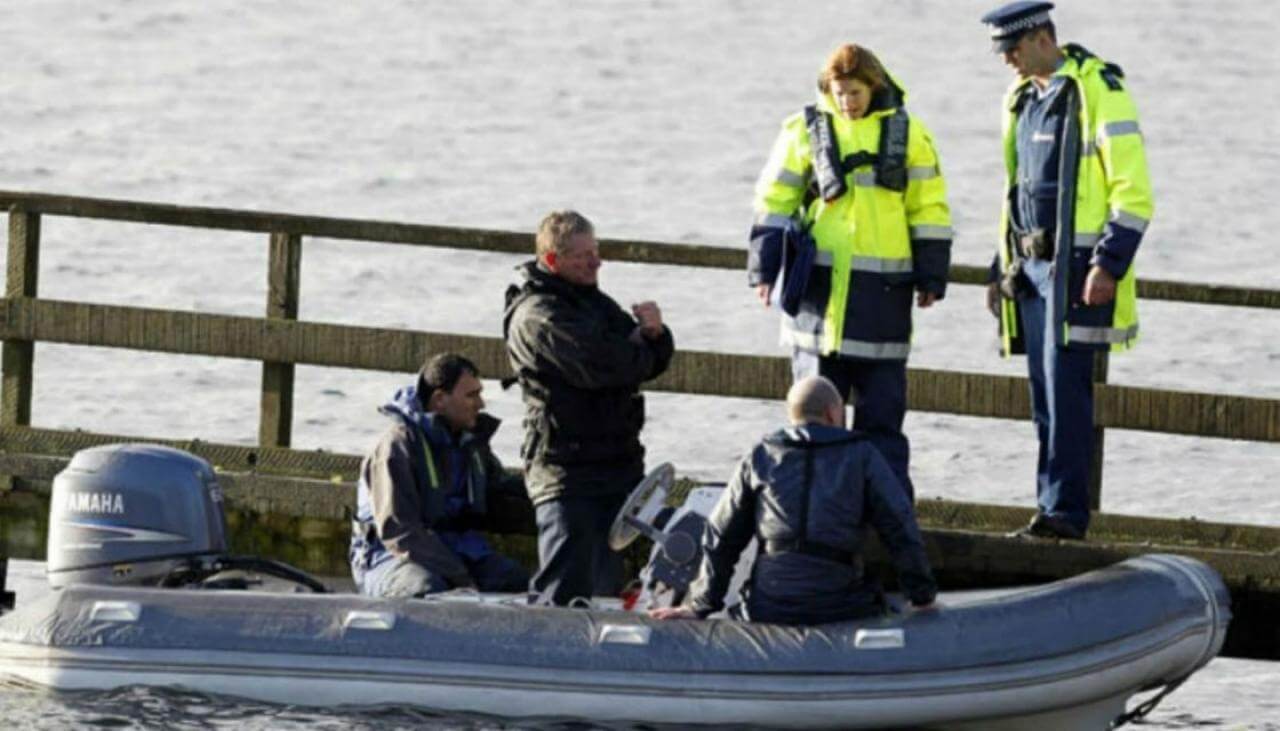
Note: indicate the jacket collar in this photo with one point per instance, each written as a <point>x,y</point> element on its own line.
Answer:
<point>438,434</point>
<point>1077,62</point>
<point>812,435</point>
<point>539,279</point>
<point>404,405</point>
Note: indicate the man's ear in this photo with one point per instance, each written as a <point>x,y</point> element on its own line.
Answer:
<point>835,415</point>
<point>435,400</point>
<point>549,260</point>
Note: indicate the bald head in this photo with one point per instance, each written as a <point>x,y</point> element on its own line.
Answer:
<point>815,400</point>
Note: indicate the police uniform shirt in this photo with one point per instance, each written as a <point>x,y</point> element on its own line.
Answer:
<point>1038,135</point>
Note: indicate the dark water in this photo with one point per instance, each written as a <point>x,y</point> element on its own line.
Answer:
<point>653,117</point>
<point>156,708</point>
<point>162,708</point>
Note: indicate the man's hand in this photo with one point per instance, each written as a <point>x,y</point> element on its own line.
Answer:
<point>993,299</point>
<point>650,318</point>
<point>1099,286</point>
<point>681,612</point>
<point>764,292</point>
<point>925,299</point>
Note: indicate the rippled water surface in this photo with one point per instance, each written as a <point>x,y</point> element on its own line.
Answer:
<point>653,117</point>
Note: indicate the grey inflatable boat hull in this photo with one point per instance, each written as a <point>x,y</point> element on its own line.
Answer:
<point>1065,655</point>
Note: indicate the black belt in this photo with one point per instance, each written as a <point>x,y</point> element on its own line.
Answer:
<point>808,548</point>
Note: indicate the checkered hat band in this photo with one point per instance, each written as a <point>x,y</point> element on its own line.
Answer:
<point>1021,24</point>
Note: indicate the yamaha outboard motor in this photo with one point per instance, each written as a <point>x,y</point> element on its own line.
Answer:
<point>142,514</point>
<point>132,514</point>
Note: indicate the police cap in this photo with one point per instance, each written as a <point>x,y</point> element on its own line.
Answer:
<point>1009,22</point>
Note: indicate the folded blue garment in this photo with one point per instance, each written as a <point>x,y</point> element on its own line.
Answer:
<point>799,253</point>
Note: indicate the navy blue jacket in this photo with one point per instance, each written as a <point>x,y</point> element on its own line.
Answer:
<point>849,487</point>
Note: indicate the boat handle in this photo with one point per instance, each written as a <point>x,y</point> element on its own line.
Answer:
<point>880,639</point>
<point>625,634</point>
<point>115,611</point>
<point>362,619</point>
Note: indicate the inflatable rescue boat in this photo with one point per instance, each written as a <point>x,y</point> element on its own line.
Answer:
<point>137,556</point>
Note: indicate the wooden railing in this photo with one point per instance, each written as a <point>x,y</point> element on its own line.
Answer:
<point>281,342</point>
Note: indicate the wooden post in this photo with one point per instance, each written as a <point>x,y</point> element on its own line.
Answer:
<point>1100,362</point>
<point>275,426</point>
<point>17,360</point>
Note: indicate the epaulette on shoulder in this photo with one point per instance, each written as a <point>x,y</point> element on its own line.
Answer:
<point>1112,74</point>
<point>1078,53</point>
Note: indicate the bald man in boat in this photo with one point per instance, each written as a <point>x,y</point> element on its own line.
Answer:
<point>807,492</point>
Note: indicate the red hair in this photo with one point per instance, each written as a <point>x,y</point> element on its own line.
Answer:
<point>852,62</point>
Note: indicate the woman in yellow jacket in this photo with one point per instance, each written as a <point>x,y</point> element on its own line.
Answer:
<point>860,178</point>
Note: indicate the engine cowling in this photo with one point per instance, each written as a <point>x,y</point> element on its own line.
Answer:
<point>128,514</point>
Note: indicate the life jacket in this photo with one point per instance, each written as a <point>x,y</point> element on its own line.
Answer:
<point>830,169</point>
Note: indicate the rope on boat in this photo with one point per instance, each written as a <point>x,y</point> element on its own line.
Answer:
<point>1142,709</point>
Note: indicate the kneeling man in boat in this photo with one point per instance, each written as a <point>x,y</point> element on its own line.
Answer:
<point>425,489</point>
<point>807,492</point>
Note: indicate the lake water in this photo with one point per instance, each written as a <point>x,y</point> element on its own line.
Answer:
<point>653,118</point>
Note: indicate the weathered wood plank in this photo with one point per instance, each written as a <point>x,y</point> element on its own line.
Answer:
<point>21,275</point>
<point>475,239</point>
<point>284,282</point>
<point>313,464</point>
<point>1100,363</point>
<point>17,356</point>
<point>719,257</point>
<point>696,372</point>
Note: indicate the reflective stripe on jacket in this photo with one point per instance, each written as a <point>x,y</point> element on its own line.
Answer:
<point>875,245</point>
<point>1103,209</point>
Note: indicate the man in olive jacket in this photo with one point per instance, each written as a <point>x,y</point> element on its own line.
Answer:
<point>429,487</point>
<point>580,360</point>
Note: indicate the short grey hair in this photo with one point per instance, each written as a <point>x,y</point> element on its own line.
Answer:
<point>557,228</point>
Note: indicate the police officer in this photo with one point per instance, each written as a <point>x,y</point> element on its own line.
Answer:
<point>1078,202</point>
<point>858,177</point>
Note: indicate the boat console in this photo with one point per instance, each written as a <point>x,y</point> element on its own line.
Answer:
<point>676,533</point>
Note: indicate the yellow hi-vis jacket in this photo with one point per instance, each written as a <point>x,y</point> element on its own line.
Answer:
<point>1104,206</point>
<point>874,245</point>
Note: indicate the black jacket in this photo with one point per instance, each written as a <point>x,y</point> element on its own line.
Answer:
<point>580,361</point>
<point>849,487</point>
